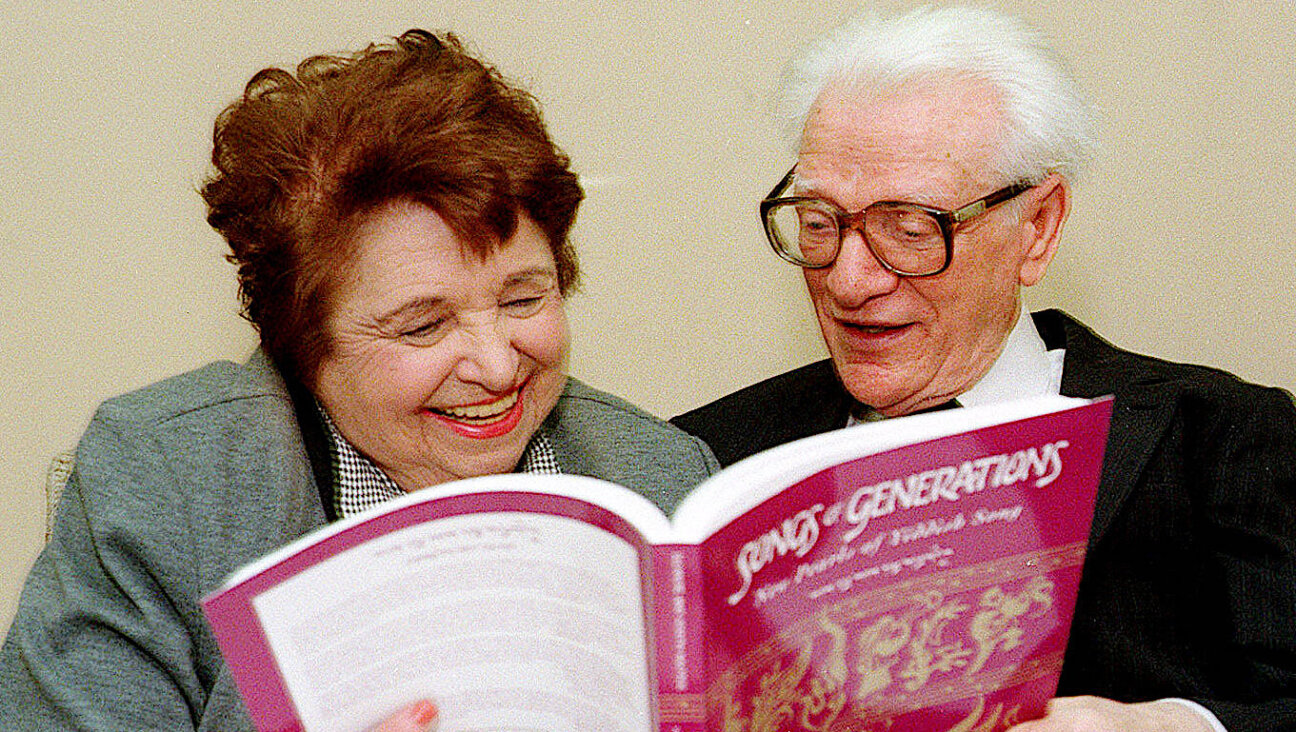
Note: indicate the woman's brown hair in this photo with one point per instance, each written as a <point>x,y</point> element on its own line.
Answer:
<point>301,159</point>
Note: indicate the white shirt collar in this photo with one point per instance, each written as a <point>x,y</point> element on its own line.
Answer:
<point>1024,368</point>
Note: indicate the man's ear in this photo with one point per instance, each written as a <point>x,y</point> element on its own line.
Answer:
<point>1045,210</point>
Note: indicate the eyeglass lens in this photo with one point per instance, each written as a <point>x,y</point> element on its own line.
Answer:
<point>905,238</point>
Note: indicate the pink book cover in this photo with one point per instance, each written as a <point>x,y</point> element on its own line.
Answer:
<point>678,636</point>
<point>927,588</point>
<point>922,587</point>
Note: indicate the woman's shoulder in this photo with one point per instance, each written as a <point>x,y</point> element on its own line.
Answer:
<point>200,452</point>
<point>208,428</point>
<point>584,402</point>
<point>596,433</point>
<point>220,386</point>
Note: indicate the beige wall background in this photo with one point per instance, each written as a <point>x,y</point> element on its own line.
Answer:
<point>1181,243</point>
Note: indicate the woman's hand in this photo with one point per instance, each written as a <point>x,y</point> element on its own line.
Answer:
<point>421,716</point>
<point>1094,714</point>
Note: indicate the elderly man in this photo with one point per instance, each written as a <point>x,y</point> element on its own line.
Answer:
<point>932,182</point>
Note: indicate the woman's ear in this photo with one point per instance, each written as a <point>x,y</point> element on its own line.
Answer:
<point>1045,211</point>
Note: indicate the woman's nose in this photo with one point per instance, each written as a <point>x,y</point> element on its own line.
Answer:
<point>489,358</point>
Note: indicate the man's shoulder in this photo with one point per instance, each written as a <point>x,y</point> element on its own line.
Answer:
<point>1094,367</point>
<point>794,404</point>
<point>1154,394</point>
<point>813,382</point>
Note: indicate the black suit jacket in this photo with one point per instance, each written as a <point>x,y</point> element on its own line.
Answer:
<point>1189,586</point>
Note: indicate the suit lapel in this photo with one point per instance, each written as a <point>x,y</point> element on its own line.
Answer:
<point>1142,412</point>
<point>826,387</point>
<point>808,401</point>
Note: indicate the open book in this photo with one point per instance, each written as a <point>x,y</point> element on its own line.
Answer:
<point>914,574</point>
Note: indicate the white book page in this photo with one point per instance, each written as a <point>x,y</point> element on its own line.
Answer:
<point>749,482</point>
<point>506,620</point>
<point>634,508</point>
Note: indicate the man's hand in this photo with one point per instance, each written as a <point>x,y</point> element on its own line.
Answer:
<point>1094,714</point>
<point>421,716</point>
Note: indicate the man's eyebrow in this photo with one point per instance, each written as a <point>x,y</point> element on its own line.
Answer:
<point>809,187</point>
<point>801,184</point>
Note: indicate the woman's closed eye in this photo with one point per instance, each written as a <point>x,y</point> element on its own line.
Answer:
<point>425,331</point>
<point>523,306</point>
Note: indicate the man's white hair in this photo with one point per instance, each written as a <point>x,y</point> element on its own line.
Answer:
<point>1047,123</point>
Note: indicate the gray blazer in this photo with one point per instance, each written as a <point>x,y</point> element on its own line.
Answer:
<point>182,482</point>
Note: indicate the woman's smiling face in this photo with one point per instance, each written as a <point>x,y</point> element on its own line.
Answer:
<point>443,364</point>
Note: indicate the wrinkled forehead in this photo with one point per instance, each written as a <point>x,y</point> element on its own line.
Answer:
<point>944,132</point>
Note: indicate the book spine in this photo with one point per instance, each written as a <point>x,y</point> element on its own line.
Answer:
<point>678,625</point>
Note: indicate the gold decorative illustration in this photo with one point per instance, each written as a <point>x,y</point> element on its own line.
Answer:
<point>998,625</point>
<point>878,645</point>
<point>860,664</point>
<point>981,719</point>
<point>932,649</point>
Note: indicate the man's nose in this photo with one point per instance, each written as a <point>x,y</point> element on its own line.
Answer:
<point>856,275</point>
<point>489,358</point>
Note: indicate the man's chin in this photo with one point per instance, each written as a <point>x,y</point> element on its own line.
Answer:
<point>878,388</point>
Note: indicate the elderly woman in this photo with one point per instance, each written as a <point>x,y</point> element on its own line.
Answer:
<point>399,219</point>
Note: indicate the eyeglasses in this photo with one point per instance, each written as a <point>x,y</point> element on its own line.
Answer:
<point>908,239</point>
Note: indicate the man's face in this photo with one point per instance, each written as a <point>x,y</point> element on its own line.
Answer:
<point>901,344</point>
